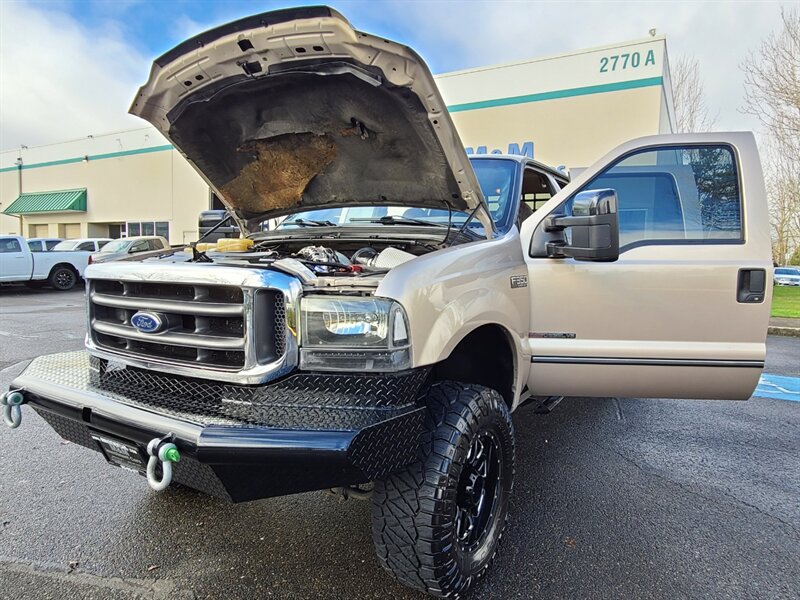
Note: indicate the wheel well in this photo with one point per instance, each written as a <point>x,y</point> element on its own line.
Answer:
<point>484,357</point>
<point>67,265</point>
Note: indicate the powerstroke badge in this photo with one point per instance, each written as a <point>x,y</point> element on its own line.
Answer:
<point>519,281</point>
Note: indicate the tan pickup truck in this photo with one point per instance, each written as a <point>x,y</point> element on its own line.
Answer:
<point>379,339</point>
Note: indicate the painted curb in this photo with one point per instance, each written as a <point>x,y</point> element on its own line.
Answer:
<point>787,331</point>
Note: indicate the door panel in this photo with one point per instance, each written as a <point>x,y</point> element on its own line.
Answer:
<point>15,263</point>
<point>665,319</point>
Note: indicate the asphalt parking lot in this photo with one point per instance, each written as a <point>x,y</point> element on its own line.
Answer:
<point>614,498</point>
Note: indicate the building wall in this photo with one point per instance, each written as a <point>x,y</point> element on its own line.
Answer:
<point>572,131</point>
<point>568,109</point>
<point>563,110</point>
<point>138,184</point>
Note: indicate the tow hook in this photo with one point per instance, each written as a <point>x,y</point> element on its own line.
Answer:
<point>12,402</point>
<point>164,452</point>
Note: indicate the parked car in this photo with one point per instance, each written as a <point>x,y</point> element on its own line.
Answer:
<point>787,276</point>
<point>125,247</point>
<point>42,244</point>
<point>392,348</point>
<point>83,244</point>
<point>18,264</point>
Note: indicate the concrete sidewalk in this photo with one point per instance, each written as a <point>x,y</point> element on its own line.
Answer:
<point>784,326</point>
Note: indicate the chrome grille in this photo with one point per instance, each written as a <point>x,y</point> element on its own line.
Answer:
<point>215,322</point>
<point>206,325</point>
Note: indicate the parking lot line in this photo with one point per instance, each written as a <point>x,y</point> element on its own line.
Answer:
<point>778,387</point>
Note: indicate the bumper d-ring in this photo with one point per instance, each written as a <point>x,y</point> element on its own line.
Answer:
<point>12,402</point>
<point>163,452</point>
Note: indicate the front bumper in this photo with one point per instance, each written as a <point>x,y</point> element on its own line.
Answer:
<point>305,432</point>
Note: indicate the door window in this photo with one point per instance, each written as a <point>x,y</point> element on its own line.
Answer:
<point>86,246</point>
<point>536,190</point>
<point>9,245</point>
<point>155,244</point>
<point>676,195</point>
<point>140,246</point>
<point>35,246</point>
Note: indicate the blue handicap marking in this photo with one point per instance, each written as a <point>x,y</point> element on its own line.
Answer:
<point>778,387</point>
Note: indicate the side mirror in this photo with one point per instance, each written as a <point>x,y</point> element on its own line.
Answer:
<point>593,228</point>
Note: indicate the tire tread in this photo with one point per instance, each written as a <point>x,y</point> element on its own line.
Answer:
<point>412,529</point>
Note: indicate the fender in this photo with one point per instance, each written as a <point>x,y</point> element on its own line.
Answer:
<point>450,293</point>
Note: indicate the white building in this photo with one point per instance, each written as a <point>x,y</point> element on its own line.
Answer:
<point>563,110</point>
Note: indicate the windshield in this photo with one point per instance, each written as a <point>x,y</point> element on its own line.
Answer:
<point>66,245</point>
<point>497,181</point>
<point>787,271</point>
<point>116,246</point>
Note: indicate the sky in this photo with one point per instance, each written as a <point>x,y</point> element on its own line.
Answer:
<point>70,68</point>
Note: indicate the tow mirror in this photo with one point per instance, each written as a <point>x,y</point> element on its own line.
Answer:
<point>593,228</point>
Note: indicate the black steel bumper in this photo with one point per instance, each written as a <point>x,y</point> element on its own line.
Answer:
<point>305,432</point>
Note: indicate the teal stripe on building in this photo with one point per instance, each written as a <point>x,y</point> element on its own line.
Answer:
<point>540,97</point>
<point>91,157</point>
<point>556,94</point>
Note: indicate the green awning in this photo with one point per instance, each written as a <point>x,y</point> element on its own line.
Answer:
<point>48,202</point>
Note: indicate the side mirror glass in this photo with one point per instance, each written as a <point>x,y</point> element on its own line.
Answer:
<point>593,228</point>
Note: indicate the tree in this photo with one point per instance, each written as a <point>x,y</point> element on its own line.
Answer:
<point>688,93</point>
<point>782,175</point>
<point>795,260</point>
<point>772,94</point>
<point>772,82</point>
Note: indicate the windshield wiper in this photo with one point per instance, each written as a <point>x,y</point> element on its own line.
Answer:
<point>309,223</point>
<point>395,220</point>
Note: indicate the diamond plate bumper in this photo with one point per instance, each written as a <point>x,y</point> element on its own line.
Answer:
<point>303,433</point>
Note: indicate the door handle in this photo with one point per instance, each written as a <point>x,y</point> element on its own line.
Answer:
<point>752,286</point>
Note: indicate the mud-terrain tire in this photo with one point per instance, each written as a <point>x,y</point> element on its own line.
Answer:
<point>62,278</point>
<point>430,523</point>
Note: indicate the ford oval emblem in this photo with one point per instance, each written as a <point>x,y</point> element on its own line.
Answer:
<point>147,322</point>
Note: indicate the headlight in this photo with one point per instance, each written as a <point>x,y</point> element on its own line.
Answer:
<point>364,334</point>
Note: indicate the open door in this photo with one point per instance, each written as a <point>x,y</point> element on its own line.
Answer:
<point>651,273</point>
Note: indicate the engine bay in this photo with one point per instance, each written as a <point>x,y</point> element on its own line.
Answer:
<point>333,258</point>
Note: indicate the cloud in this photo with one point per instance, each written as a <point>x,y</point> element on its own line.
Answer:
<point>60,79</point>
<point>64,76</point>
<point>456,35</point>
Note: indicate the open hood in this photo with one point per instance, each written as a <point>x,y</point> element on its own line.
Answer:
<point>294,110</point>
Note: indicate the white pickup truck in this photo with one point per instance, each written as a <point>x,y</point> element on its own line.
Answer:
<point>18,264</point>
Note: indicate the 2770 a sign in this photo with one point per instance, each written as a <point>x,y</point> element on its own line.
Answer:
<point>628,60</point>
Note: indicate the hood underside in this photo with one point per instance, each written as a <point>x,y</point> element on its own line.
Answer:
<point>294,110</point>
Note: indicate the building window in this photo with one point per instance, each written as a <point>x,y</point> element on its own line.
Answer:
<point>134,228</point>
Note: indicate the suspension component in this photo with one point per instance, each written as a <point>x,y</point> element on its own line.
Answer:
<point>163,452</point>
<point>12,402</point>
